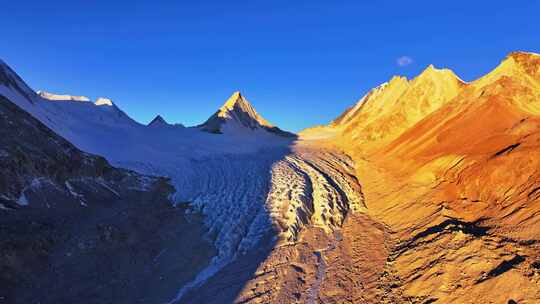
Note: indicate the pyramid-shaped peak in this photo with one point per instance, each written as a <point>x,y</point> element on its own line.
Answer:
<point>236,105</point>
<point>239,109</point>
<point>236,95</point>
<point>158,121</point>
<point>234,100</point>
<point>237,113</point>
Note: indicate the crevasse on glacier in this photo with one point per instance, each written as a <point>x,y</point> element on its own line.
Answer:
<point>274,192</point>
<point>246,196</point>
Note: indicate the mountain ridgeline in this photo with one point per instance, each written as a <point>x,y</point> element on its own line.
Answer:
<point>424,191</point>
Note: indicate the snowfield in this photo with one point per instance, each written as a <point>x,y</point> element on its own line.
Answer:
<point>247,182</point>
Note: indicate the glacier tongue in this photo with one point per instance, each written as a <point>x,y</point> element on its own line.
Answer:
<point>277,191</point>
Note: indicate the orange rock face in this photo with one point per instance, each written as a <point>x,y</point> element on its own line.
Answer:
<point>456,180</point>
<point>381,115</point>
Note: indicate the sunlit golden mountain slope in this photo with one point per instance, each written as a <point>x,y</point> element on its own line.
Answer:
<point>386,111</point>
<point>456,181</point>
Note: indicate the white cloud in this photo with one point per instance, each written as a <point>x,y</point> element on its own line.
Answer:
<point>404,61</point>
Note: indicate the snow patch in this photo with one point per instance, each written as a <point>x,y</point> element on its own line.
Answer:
<point>34,185</point>
<point>61,97</point>
<point>102,182</point>
<point>74,193</point>
<point>102,101</point>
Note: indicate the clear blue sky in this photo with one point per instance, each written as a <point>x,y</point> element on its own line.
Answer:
<point>300,63</point>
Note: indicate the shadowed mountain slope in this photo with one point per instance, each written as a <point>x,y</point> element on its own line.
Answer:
<point>74,229</point>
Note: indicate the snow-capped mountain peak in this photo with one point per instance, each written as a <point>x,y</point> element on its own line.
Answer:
<point>239,109</point>
<point>235,97</point>
<point>238,113</point>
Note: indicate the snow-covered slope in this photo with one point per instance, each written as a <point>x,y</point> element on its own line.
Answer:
<point>12,84</point>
